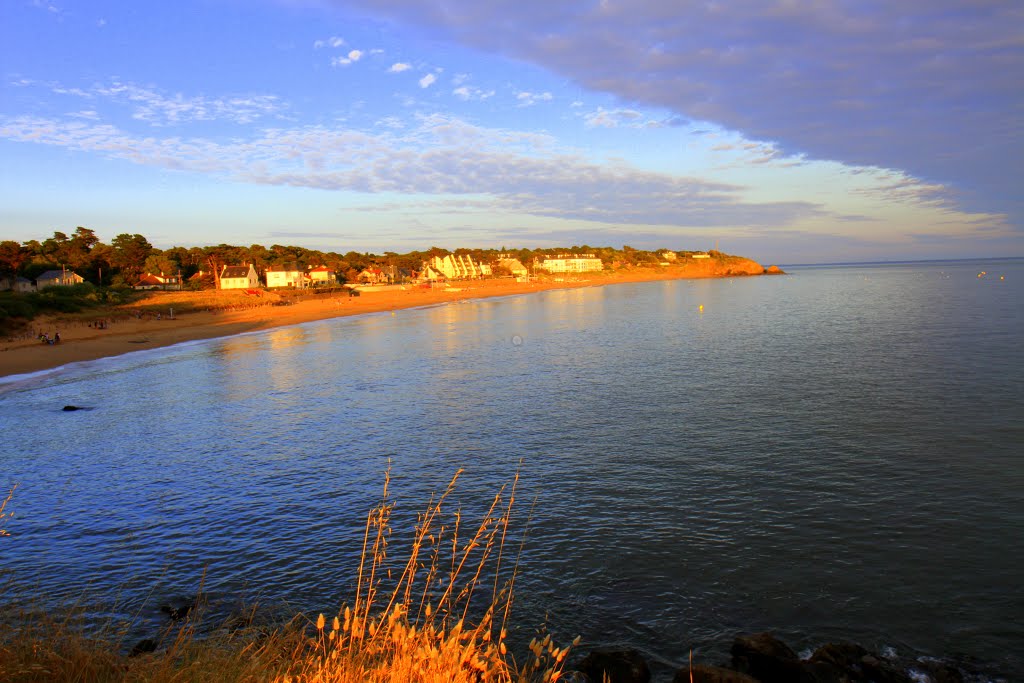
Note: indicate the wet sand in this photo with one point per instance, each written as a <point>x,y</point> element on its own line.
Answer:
<point>82,342</point>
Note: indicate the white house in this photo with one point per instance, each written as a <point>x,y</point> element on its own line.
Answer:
<point>514,265</point>
<point>239,277</point>
<point>322,275</point>
<point>154,281</point>
<point>455,267</point>
<point>570,263</point>
<point>17,284</point>
<point>286,275</point>
<point>58,278</point>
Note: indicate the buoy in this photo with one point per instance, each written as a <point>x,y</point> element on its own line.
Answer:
<point>392,312</point>
<point>1001,277</point>
<point>701,308</point>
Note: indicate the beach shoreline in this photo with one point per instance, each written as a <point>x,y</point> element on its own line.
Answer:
<point>81,341</point>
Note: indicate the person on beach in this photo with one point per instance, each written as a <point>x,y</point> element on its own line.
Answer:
<point>56,337</point>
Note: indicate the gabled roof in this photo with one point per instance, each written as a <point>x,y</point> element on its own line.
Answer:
<point>235,271</point>
<point>321,269</point>
<point>57,274</point>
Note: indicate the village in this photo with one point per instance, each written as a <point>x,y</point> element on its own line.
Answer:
<point>435,271</point>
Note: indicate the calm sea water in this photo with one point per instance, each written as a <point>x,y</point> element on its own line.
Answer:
<point>834,454</point>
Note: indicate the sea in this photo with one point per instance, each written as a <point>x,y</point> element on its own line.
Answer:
<point>834,454</point>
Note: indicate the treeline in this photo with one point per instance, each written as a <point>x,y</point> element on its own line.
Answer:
<point>129,256</point>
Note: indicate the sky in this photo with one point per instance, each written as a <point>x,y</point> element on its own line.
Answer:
<point>788,131</point>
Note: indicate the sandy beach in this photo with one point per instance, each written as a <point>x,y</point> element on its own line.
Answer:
<point>80,341</point>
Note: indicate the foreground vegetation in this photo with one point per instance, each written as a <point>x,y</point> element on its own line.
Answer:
<point>440,613</point>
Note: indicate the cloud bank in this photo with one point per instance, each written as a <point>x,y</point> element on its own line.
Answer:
<point>493,170</point>
<point>931,87</point>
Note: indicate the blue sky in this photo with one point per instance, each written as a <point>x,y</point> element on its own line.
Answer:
<point>787,131</point>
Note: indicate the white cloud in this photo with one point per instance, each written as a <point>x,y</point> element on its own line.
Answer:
<point>528,99</point>
<point>519,172</point>
<point>466,93</point>
<point>333,41</point>
<point>427,80</point>
<point>161,109</point>
<point>399,67</point>
<point>352,57</point>
<point>615,118</point>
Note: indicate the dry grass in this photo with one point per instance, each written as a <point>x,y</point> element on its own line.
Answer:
<point>439,612</point>
<point>3,511</point>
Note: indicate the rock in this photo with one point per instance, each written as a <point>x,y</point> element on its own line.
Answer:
<point>68,409</point>
<point>621,666</point>
<point>879,670</point>
<point>839,654</point>
<point>939,672</point>
<point>767,658</point>
<point>176,612</point>
<point>774,270</point>
<point>703,673</point>
<point>843,662</point>
<point>142,647</point>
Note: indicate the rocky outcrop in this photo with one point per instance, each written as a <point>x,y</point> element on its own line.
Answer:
<point>719,265</point>
<point>774,270</point>
<point>763,658</point>
<point>766,658</point>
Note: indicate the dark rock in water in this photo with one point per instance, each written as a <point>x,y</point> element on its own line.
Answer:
<point>68,409</point>
<point>839,654</point>
<point>621,666</point>
<point>142,647</point>
<point>176,612</point>
<point>703,673</point>
<point>940,672</point>
<point>767,658</point>
<point>878,669</point>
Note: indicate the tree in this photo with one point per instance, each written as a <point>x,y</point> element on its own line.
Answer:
<point>130,254</point>
<point>12,257</point>
<point>78,251</point>
<point>161,263</point>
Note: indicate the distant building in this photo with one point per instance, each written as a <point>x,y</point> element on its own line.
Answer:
<point>454,267</point>
<point>322,275</point>
<point>24,285</point>
<point>669,256</point>
<point>286,275</point>
<point>570,263</point>
<point>699,254</point>
<point>58,278</point>
<point>373,276</point>
<point>239,277</point>
<point>17,284</point>
<point>514,265</point>
<point>153,281</point>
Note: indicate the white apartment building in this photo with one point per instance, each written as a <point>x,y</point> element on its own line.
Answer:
<point>570,263</point>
